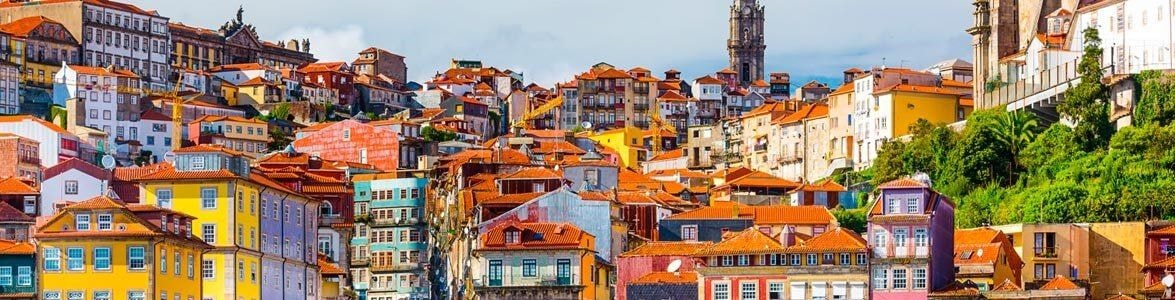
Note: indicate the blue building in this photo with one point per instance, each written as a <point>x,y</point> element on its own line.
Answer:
<point>389,247</point>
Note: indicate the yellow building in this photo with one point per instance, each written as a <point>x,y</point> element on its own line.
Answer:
<point>1049,250</point>
<point>245,135</point>
<point>628,142</point>
<point>907,103</point>
<point>105,249</point>
<point>260,229</point>
<point>986,257</point>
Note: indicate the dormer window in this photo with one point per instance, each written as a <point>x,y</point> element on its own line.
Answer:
<point>105,222</point>
<point>82,222</point>
<point>894,206</point>
<point>175,226</point>
<point>197,163</point>
<point>163,222</point>
<point>513,236</point>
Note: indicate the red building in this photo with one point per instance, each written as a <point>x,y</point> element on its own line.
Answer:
<point>21,193</point>
<point>332,75</point>
<point>1160,256</point>
<point>20,156</point>
<point>654,257</point>
<point>354,142</point>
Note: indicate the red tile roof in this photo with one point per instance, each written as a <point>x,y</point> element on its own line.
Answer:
<point>154,115</point>
<point>957,289</point>
<point>759,83</point>
<point>173,174</point>
<point>98,71</point>
<point>748,241</point>
<point>323,67</point>
<point>22,27</point>
<point>102,3</point>
<point>977,254</point>
<point>76,164</point>
<point>536,236</point>
<point>134,173</point>
<point>510,199</point>
<point>660,277</point>
<point>902,183</point>
<point>726,71</point>
<point>11,214</point>
<point>655,248</point>
<point>613,74</point>
<point>672,95</point>
<point>671,154</point>
<point>1059,283</point>
<point>708,80</point>
<point>15,186</point>
<point>916,89</point>
<point>214,118</point>
<point>837,239</point>
<point>761,215</point>
<point>807,112</point>
<point>16,248</point>
<point>759,179</point>
<point>1007,286</point>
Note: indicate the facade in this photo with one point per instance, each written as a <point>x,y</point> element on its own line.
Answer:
<point>49,46</point>
<point>105,99</point>
<point>653,259</point>
<point>539,261</point>
<point>912,230</point>
<point>333,75</point>
<point>888,100</point>
<point>234,43</point>
<point>840,124</point>
<point>628,142</point>
<point>801,139</point>
<point>155,129</point>
<point>470,111</point>
<point>72,180</point>
<point>1050,250</point>
<point>703,143</point>
<point>21,157</point>
<point>757,132</point>
<point>388,251</point>
<point>375,61</point>
<point>325,182</point>
<point>750,264</point>
<point>985,257</point>
<point>746,44</point>
<point>711,223</point>
<point>263,233</point>
<point>56,144</point>
<point>19,259</point>
<point>611,98</point>
<point>111,34</point>
<point>353,141</point>
<point>246,135</point>
<point>104,249</point>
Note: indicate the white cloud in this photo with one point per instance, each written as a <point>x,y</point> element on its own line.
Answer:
<point>331,44</point>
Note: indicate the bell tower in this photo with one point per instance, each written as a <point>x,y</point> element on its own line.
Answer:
<point>746,45</point>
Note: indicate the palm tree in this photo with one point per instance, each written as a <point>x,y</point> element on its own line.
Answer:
<point>1016,130</point>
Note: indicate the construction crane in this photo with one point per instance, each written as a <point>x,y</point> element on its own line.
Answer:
<point>538,111</point>
<point>656,123</point>
<point>177,103</point>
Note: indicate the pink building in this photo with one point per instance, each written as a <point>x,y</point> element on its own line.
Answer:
<point>355,142</point>
<point>653,257</point>
<point>911,231</point>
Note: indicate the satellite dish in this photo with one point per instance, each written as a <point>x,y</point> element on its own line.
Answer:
<point>169,156</point>
<point>108,162</point>
<point>586,125</point>
<point>1168,280</point>
<point>673,266</point>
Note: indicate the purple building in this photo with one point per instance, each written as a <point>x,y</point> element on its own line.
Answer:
<point>288,261</point>
<point>907,225</point>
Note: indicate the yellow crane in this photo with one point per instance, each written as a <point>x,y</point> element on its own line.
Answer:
<point>656,123</point>
<point>538,111</point>
<point>177,104</point>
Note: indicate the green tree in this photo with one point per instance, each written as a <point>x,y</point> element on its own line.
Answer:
<point>278,140</point>
<point>1153,105</point>
<point>1015,130</point>
<point>1086,103</point>
<point>853,219</point>
<point>433,135</point>
<point>278,112</point>
<point>889,165</point>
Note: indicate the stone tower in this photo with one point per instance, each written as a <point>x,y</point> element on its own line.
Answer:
<point>746,45</point>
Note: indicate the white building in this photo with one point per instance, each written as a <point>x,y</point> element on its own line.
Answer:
<point>56,144</point>
<point>72,180</point>
<point>155,131</point>
<point>237,74</point>
<point>104,98</point>
<point>9,88</point>
<point>1136,34</point>
<point>871,125</point>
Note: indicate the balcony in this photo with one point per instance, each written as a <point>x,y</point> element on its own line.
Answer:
<point>329,220</point>
<point>30,160</point>
<point>9,290</point>
<point>389,222</point>
<point>360,261</point>
<point>760,147</point>
<point>641,106</point>
<point>790,159</point>
<point>395,267</point>
<point>1045,252</point>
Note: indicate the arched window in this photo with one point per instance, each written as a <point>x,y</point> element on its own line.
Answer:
<point>326,209</point>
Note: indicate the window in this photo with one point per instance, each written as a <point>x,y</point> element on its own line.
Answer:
<point>880,278</point>
<point>101,295</point>
<point>52,259</point>
<point>899,237</point>
<point>744,260</point>
<point>176,270</point>
<point>75,258</point>
<point>912,206</point>
<point>208,198</point>
<point>689,233</point>
<point>75,295</point>
<point>82,222</point>
<point>795,259</point>
<point>102,258</point>
<point>844,259</point>
<point>209,233</point>
<point>163,261</point>
<point>919,278</point>
<point>6,276</point>
<point>775,291</point>
<point>197,162</point>
<point>71,187</point>
<point>137,258</point>
<point>136,295</point>
<point>895,206</point>
<point>727,261</point>
<point>163,197</point>
<point>529,268</point>
<point>861,259</point>
<point>749,291</point>
<point>105,221</point>
<point>811,259</point>
<point>207,269</point>
<point>721,291</point>
<point>899,279</point>
<point>24,276</point>
<point>52,296</point>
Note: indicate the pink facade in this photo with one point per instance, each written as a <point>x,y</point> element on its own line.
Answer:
<point>631,268</point>
<point>355,142</point>
<point>735,284</point>
<point>911,234</point>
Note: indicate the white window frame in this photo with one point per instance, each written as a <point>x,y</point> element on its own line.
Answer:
<point>81,222</point>
<point>106,225</point>
<point>726,290</point>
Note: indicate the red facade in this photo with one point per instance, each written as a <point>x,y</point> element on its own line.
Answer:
<point>354,142</point>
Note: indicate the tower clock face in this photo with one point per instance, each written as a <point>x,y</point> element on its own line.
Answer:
<point>746,10</point>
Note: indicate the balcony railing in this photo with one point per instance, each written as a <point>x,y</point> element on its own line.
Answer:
<point>641,106</point>
<point>395,267</point>
<point>16,289</point>
<point>328,220</point>
<point>538,281</point>
<point>395,222</point>
<point>360,261</point>
<point>30,160</point>
<point>1045,252</point>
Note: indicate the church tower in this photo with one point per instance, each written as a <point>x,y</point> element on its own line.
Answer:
<point>746,45</point>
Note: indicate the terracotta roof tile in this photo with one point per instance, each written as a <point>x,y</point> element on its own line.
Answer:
<point>15,186</point>
<point>511,199</point>
<point>613,74</point>
<point>671,154</point>
<point>655,248</point>
<point>1007,286</point>
<point>838,239</point>
<point>533,173</point>
<point>11,214</point>
<point>173,174</point>
<point>957,289</point>
<point>977,254</point>
<point>761,215</point>
<point>902,183</point>
<point>24,26</point>
<point>660,277</point>
<point>536,236</point>
<point>759,179</point>
<point>708,80</point>
<point>916,89</point>
<point>1059,283</point>
<point>154,115</point>
<point>16,248</point>
<point>209,148</point>
<point>134,173</point>
<point>807,112</point>
<point>759,83</point>
<point>748,241</point>
<point>99,71</point>
<point>326,267</point>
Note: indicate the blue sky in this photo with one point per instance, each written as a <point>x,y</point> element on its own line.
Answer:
<point>551,40</point>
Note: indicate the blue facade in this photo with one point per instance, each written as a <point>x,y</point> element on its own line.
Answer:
<point>661,291</point>
<point>708,230</point>
<point>393,243</point>
<point>13,264</point>
<point>289,233</point>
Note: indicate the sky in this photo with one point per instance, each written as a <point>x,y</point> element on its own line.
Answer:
<point>550,41</point>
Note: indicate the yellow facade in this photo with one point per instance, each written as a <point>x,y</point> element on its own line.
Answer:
<point>908,107</point>
<point>227,218</point>
<point>627,141</point>
<point>123,258</point>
